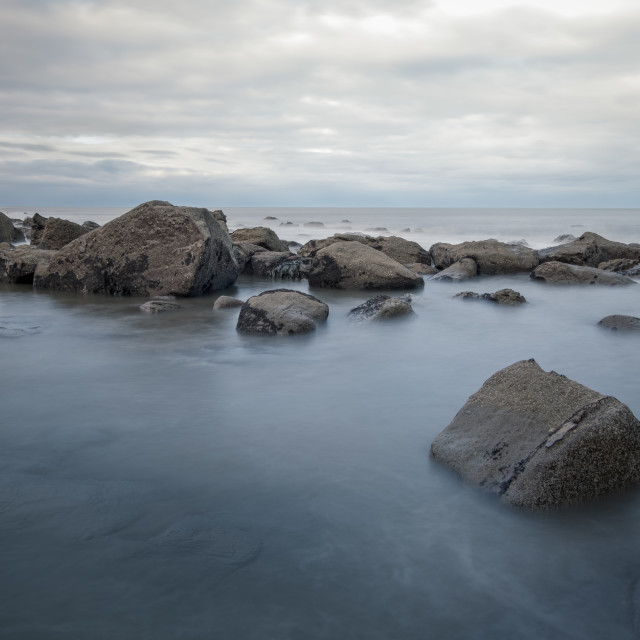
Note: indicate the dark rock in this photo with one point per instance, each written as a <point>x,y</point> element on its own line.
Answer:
<point>461,270</point>
<point>271,218</point>
<point>221,218</point>
<point>353,265</point>
<point>19,265</point>
<point>317,225</point>
<point>243,252</point>
<point>491,256</point>
<point>160,306</point>
<point>382,308</point>
<point>262,236</point>
<point>292,268</point>
<point>38,223</point>
<point>8,231</point>
<point>57,233</point>
<point>88,224</point>
<point>264,261</point>
<point>589,250</point>
<point>227,302</point>
<point>563,273</point>
<point>154,249</point>
<point>564,238</point>
<point>504,296</point>
<point>625,266</point>
<point>620,323</point>
<point>540,440</point>
<point>281,312</point>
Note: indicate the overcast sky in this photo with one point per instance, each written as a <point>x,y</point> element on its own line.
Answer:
<point>320,103</point>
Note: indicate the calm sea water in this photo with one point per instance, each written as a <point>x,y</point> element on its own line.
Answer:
<point>166,477</point>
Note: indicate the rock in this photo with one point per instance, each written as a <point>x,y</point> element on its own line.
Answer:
<point>564,238</point>
<point>243,252</point>
<point>562,273</point>
<point>281,312</point>
<point>491,256</point>
<point>589,250</point>
<point>159,306</point>
<point>309,249</point>
<point>353,265</point>
<point>270,218</point>
<point>221,218</point>
<point>262,236</point>
<point>293,245</point>
<point>19,265</point>
<point>8,232</point>
<point>292,268</point>
<point>316,225</point>
<point>626,266</point>
<point>422,269</point>
<point>227,302</point>
<point>461,270</point>
<point>154,249</point>
<point>504,296</point>
<point>57,233</point>
<point>382,307</point>
<point>38,223</point>
<point>88,224</point>
<point>539,440</point>
<point>378,229</point>
<point>620,323</point>
<point>263,262</point>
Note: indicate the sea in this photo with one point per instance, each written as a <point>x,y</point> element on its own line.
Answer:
<point>165,477</point>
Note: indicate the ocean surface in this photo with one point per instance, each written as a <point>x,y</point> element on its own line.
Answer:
<point>164,477</point>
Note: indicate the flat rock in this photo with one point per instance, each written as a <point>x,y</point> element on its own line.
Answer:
<point>503,296</point>
<point>620,323</point>
<point>563,273</point>
<point>590,249</point>
<point>19,265</point>
<point>154,249</point>
<point>491,256</point>
<point>382,308</point>
<point>353,265</point>
<point>538,440</point>
<point>461,270</point>
<point>227,302</point>
<point>160,306</point>
<point>281,312</point>
<point>262,236</point>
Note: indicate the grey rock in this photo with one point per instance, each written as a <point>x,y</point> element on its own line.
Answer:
<point>491,256</point>
<point>160,306</point>
<point>262,236</point>
<point>620,323</point>
<point>221,218</point>
<point>38,224</point>
<point>243,252</point>
<point>503,296</point>
<point>57,233</point>
<point>263,262</point>
<point>461,270</point>
<point>382,308</point>
<point>422,269</point>
<point>563,273</point>
<point>88,224</point>
<point>154,249</point>
<point>292,268</point>
<point>539,440</point>
<point>626,266</point>
<point>19,265</point>
<point>227,302</point>
<point>317,225</point>
<point>589,250</point>
<point>281,312</point>
<point>564,238</point>
<point>353,265</point>
<point>8,231</point>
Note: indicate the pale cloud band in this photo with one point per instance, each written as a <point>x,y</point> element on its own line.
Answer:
<point>258,102</point>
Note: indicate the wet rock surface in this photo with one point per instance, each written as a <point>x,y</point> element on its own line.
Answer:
<point>227,302</point>
<point>538,440</point>
<point>503,296</point>
<point>281,312</point>
<point>563,273</point>
<point>160,306</point>
<point>620,323</point>
<point>382,308</point>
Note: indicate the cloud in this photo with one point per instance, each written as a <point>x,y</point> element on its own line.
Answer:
<point>365,101</point>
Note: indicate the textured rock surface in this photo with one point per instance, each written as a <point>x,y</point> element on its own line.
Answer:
<point>243,252</point>
<point>563,273</point>
<point>504,296</point>
<point>353,265</point>
<point>262,263</point>
<point>382,308</point>
<point>227,302</point>
<point>461,270</point>
<point>57,233</point>
<point>262,236</point>
<point>620,323</point>
<point>154,249</point>
<point>540,440</point>
<point>590,250</point>
<point>281,312</point>
<point>160,306</point>
<point>491,256</point>
<point>8,231</point>
<point>19,265</point>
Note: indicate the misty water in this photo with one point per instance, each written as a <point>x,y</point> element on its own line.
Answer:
<point>166,477</point>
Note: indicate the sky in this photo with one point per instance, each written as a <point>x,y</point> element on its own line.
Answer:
<point>425,103</point>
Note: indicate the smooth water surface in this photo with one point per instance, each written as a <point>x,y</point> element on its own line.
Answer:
<point>165,477</point>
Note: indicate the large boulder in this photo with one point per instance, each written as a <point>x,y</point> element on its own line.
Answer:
<point>563,273</point>
<point>154,249</point>
<point>8,232</point>
<point>353,265</point>
<point>262,236</point>
<point>461,270</point>
<point>281,312</point>
<point>57,233</point>
<point>540,440</point>
<point>491,256</point>
<point>19,265</point>
<point>590,250</point>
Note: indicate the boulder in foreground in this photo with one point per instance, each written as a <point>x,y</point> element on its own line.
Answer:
<point>540,440</point>
<point>281,312</point>
<point>154,249</point>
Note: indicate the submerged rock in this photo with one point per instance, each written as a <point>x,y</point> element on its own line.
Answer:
<point>154,249</point>
<point>491,256</point>
<point>160,306</point>
<point>620,323</point>
<point>563,273</point>
<point>541,440</point>
<point>504,296</point>
<point>281,312</point>
<point>261,236</point>
<point>382,308</point>
<point>353,265</point>
<point>461,270</point>
<point>589,250</point>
